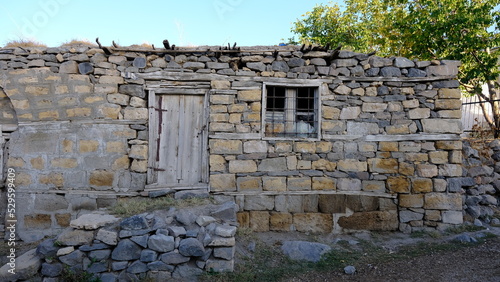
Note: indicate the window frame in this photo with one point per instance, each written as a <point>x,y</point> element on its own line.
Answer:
<point>288,86</point>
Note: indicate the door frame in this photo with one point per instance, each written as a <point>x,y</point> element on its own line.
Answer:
<point>152,182</point>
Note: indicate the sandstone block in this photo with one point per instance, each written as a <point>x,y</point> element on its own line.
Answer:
<point>323,183</point>
<point>243,219</point>
<point>250,95</point>
<point>249,183</point>
<point>223,182</point>
<point>374,107</point>
<point>242,166</point>
<point>135,113</point>
<point>139,165</point>
<point>422,185</point>
<point>270,183</point>
<point>449,145</point>
<point>372,220</point>
<point>87,146</point>
<point>79,112</point>
<point>427,170</point>
<point>442,126</point>
<point>313,222</point>
<point>250,147</point>
<point>442,201</point>
<point>330,112</point>
<point>373,186</point>
<point>438,157</point>
<point>280,221</point>
<point>383,165</point>
<point>221,99</point>
<point>350,113</point>
<point>388,146</point>
<point>406,169</point>
<point>64,163</point>
<point>217,163</point>
<point>398,184</point>
<point>305,147</point>
<point>101,178</point>
<point>220,84</point>
<point>352,165</point>
<point>411,201</point>
<point>259,221</point>
<point>323,164</point>
<point>226,147</point>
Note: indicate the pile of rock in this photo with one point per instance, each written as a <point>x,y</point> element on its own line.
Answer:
<point>160,245</point>
<point>482,181</point>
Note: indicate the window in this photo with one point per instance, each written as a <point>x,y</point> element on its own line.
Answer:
<point>291,112</point>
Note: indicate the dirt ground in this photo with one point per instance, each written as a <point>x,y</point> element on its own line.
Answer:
<point>474,262</point>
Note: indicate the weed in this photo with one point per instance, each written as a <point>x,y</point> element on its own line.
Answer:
<point>58,244</point>
<point>78,42</point>
<point>463,228</point>
<point>24,43</point>
<point>78,276</point>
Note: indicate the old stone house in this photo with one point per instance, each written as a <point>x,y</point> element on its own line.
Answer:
<point>307,140</point>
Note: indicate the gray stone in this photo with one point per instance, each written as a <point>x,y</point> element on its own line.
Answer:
<point>190,194</point>
<point>139,62</point>
<point>107,236</point>
<point>47,248</point>
<point>187,272</point>
<point>126,250</point>
<point>185,217</point>
<point>135,222</point>
<point>99,255</point>
<point>226,211</point>
<point>71,237</point>
<point>27,266</point>
<point>259,202</point>
<point>51,269</point>
<point>132,89</point>
<point>407,216</point>
<point>73,259</point>
<point>280,66</point>
<point>217,66</point>
<point>85,68</point>
<point>204,220</point>
<point>119,265</point>
<point>140,240</point>
<point>93,247</point>
<point>191,247</point>
<point>226,253</point>
<point>108,277</point>
<point>219,265</point>
<point>465,238</point>
<point>148,255</point>
<point>296,62</point>
<point>173,258</point>
<point>390,72</point>
<point>478,222</point>
<point>225,231</point>
<point>349,270</point>
<point>161,243</point>
<point>194,65</point>
<point>137,267</point>
<point>258,66</point>
<point>98,267</point>
<point>124,276</point>
<point>70,67</point>
<point>362,128</point>
<point>274,164</point>
<point>176,231</point>
<point>130,233</point>
<point>301,250</point>
<point>489,200</point>
<point>401,62</point>
<point>416,73</point>
<point>93,221</point>
<point>160,266</point>
<point>318,62</point>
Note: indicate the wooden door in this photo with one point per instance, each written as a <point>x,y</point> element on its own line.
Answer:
<point>180,142</point>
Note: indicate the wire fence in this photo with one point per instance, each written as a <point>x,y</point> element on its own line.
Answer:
<point>473,117</point>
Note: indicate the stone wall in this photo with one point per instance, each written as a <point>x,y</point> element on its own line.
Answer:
<point>388,144</point>
<point>165,245</point>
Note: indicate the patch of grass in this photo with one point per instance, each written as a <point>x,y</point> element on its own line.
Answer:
<point>24,43</point>
<point>143,45</point>
<point>463,228</point>
<point>79,42</point>
<point>131,206</point>
<point>78,276</point>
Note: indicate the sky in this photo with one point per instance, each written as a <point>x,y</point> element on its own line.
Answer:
<point>182,22</point>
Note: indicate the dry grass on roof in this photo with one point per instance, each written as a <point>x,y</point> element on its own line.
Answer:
<point>78,42</point>
<point>24,43</point>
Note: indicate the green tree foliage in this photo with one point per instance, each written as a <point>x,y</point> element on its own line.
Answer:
<point>465,30</point>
